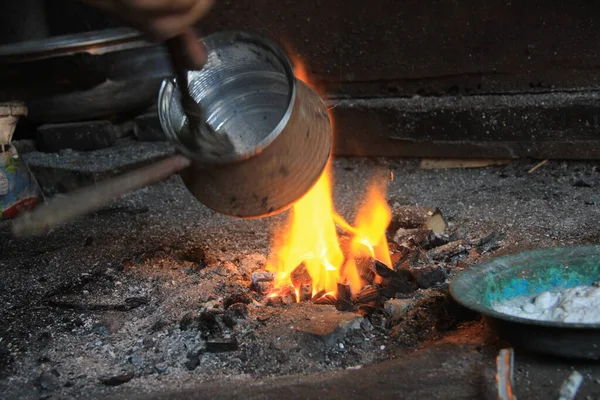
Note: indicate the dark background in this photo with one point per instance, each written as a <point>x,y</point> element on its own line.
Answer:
<point>513,78</point>
<point>387,47</point>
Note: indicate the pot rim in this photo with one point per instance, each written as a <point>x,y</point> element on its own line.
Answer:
<point>169,87</point>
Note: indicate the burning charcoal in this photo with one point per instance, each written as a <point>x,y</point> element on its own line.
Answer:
<point>117,379</point>
<point>429,276</point>
<point>344,292</point>
<point>319,294</point>
<point>410,217</point>
<point>236,298</point>
<point>327,299</point>
<point>300,276</point>
<point>363,266</point>
<point>381,269</point>
<point>262,281</point>
<point>447,251</point>
<point>368,294</point>
<point>222,345</point>
<point>345,243</point>
<point>305,292</point>
<point>285,297</point>
<point>344,298</point>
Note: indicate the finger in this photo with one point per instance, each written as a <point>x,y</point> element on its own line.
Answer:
<point>171,6</point>
<point>107,5</point>
<point>194,49</point>
<point>171,25</point>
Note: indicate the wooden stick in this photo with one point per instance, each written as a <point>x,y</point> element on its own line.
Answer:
<point>538,165</point>
<point>92,198</point>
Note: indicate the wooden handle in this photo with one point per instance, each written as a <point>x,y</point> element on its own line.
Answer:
<point>92,198</point>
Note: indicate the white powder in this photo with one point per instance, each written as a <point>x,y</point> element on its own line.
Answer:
<point>580,304</point>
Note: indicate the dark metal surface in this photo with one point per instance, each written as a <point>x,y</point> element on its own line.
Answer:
<point>531,273</point>
<point>285,170</point>
<point>83,76</point>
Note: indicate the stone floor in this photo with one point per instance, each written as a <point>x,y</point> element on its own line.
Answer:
<point>130,249</point>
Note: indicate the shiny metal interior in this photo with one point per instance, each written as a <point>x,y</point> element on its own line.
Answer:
<point>247,90</point>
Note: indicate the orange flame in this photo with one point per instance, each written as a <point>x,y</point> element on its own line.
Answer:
<point>310,236</point>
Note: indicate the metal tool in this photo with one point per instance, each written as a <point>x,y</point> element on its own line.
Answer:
<point>90,199</point>
<point>197,134</point>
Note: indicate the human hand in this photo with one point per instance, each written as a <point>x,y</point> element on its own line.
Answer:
<point>162,20</point>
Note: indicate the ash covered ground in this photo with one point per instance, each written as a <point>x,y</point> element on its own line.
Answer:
<point>116,302</point>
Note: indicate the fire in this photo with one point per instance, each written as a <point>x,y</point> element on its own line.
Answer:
<point>310,238</point>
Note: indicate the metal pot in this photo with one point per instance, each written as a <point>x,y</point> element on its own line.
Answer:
<point>279,126</point>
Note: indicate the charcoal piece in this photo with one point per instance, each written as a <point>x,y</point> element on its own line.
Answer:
<point>284,297</point>
<point>188,321</point>
<point>437,240</point>
<point>193,360</point>
<point>411,237</point>
<point>262,281</point>
<point>344,298</point>
<point>47,381</point>
<point>211,322</point>
<point>300,276</point>
<point>381,269</point>
<point>305,292</point>
<point>396,309</point>
<point>365,271</point>
<point>365,309</point>
<point>429,276</point>
<point>327,299</point>
<point>368,294</point>
<point>413,217</point>
<point>344,305</point>
<point>344,292</point>
<point>401,282</point>
<point>222,345</point>
<point>196,255</point>
<point>580,183</point>
<point>117,380</point>
<point>236,298</point>
<point>489,243</point>
<point>345,243</point>
<point>79,136</point>
<point>147,128</point>
<point>235,314</point>
<point>319,294</point>
<point>447,251</point>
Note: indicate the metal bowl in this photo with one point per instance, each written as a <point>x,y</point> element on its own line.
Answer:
<point>279,127</point>
<point>532,273</point>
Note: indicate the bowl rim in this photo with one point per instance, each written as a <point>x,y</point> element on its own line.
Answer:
<point>488,267</point>
<point>212,42</point>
